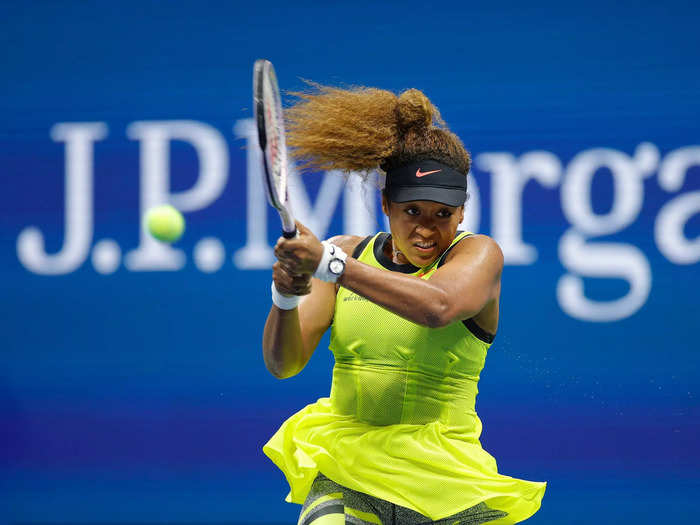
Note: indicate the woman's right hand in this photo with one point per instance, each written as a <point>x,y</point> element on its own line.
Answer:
<point>288,283</point>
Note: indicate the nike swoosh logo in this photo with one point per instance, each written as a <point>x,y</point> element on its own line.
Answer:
<point>420,173</point>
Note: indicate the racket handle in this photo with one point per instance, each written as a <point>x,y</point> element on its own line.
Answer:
<point>289,227</point>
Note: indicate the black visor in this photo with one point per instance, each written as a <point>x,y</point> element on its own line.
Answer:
<point>426,180</point>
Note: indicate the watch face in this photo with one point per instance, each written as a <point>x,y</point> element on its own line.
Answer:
<point>336,266</point>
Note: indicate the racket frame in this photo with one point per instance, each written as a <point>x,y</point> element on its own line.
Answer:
<point>265,81</point>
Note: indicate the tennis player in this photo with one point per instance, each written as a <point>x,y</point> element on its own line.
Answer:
<point>412,314</point>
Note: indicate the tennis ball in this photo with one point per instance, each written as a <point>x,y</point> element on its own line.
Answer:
<point>165,223</point>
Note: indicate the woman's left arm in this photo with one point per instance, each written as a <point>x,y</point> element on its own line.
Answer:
<point>459,289</point>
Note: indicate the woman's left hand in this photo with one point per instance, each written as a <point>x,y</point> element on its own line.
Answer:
<point>300,255</point>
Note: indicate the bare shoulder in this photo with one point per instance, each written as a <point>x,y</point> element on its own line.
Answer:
<point>347,243</point>
<point>480,248</point>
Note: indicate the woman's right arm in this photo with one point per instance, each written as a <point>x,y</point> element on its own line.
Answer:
<point>291,336</point>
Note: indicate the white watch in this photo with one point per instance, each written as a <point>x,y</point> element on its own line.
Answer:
<point>336,265</point>
<point>332,264</point>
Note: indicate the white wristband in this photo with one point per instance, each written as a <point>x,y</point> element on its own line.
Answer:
<point>284,302</point>
<point>332,263</point>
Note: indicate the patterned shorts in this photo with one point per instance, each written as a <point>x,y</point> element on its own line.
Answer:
<point>331,504</point>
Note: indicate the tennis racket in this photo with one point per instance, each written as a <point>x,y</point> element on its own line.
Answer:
<point>270,121</point>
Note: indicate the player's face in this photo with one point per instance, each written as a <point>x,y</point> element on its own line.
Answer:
<point>421,230</point>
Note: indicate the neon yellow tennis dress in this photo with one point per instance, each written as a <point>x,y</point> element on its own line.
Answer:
<point>400,422</point>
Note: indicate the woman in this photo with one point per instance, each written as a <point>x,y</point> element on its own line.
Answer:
<point>412,313</point>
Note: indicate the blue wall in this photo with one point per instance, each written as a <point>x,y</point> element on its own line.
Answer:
<point>133,394</point>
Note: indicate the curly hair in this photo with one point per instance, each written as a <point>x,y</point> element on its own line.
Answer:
<point>361,129</point>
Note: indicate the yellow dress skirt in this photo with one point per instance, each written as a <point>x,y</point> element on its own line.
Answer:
<point>430,468</point>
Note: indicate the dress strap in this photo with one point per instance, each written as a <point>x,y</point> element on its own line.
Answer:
<point>460,236</point>
<point>361,247</point>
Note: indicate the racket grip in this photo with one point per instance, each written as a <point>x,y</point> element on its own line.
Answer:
<point>289,227</point>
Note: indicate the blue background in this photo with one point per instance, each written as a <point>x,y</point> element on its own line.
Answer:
<point>142,396</point>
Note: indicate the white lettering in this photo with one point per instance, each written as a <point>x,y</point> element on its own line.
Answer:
<point>509,177</point>
<point>581,255</point>
<point>79,139</point>
<point>155,140</point>
<point>628,191</point>
<point>602,260</point>
<point>668,229</point>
